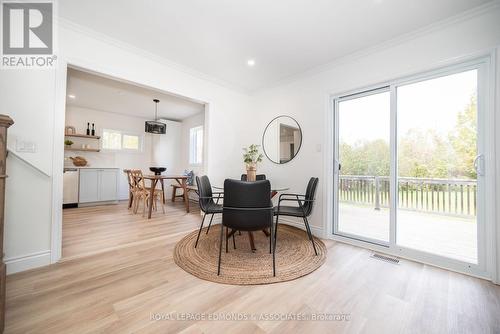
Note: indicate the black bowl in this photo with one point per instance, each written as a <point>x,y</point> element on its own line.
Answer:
<point>157,170</point>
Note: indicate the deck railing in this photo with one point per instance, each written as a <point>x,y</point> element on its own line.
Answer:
<point>447,196</point>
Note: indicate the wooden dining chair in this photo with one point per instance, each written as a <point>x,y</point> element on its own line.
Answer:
<point>142,193</point>
<point>131,187</point>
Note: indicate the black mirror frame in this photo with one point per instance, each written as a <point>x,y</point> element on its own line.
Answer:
<point>300,145</point>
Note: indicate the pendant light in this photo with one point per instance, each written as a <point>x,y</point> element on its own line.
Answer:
<point>155,127</point>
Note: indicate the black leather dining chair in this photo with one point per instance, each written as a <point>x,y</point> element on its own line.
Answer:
<point>303,210</point>
<point>247,207</point>
<point>207,203</point>
<point>258,177</point>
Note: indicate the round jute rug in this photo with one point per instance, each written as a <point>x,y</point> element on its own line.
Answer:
<point>294,256</point>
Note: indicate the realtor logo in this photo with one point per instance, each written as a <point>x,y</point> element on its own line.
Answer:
<point>27,34</point>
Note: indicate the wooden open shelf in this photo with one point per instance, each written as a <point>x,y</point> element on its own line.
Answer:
<point>83,149</point>
<point>82,136</point>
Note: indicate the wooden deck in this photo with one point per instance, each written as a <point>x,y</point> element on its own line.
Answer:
<point>128,280</point>
<point>451,236</point>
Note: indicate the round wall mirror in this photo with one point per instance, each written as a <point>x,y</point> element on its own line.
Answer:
<point>282,139</point>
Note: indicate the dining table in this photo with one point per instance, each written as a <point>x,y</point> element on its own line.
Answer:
<point>154,179</point>
<point>274,192</point>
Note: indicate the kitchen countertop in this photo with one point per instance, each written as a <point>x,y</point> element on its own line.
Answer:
<point>89,167</point>
<point>76,167</point>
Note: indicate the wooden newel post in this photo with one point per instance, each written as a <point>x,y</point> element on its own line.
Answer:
<point>5,122</point>
<point>377,193</point>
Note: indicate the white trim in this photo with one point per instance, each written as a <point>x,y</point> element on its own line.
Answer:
<point>495,104</point>
<point>23,160</point>
<point>29,261</point>
<point>487,266</point>
<point>393,173</point>
<point>58,162</point>
<point>317,231</point>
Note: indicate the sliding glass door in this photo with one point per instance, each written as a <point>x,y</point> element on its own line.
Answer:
<point>409,165</point>
<point>437,179</point>
<point>364,165</point>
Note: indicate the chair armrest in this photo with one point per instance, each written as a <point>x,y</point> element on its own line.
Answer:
<point>295,200</point>
<point>208,197</point>
<point>290,194</point>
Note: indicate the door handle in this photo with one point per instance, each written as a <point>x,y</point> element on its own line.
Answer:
<point>478,164</point>
<point>337,169</point>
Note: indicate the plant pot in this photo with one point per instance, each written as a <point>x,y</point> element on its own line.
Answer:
<point>251,173</point>
<point>67,146</point>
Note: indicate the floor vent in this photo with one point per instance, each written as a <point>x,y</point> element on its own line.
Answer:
<point>385,258</point>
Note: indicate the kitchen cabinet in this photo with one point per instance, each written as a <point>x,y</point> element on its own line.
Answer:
<point>98,185</point>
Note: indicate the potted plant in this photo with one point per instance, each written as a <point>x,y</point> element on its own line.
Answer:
<point>251,157</point>
<point>68,143</point>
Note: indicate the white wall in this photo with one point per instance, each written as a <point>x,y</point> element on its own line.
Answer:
<point>307,98</point>
<point>167,149</point>
<point>187,124</point>
<point>35,100</point>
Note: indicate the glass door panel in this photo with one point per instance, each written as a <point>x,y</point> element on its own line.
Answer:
<point>437,178</point>
<point>363,128</point>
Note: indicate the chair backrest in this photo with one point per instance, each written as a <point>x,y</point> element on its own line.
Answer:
<point>204,192</point>
<point>258,177</point>
<point>247,205</point>
<point>310,195</point>
<point>130,179</point>
<point>138,179</point>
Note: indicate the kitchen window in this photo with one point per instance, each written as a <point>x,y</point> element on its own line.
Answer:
<point>120,141</point>
<point>196,145</point>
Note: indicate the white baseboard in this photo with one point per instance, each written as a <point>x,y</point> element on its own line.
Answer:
<point>25,262</point>
<point>316,231</point>
<point>82,205</point>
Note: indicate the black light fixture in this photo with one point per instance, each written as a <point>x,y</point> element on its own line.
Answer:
<point>155,126</point>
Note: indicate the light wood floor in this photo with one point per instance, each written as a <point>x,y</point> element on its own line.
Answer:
<point>134,278</point>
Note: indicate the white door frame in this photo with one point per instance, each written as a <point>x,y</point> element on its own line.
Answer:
<point>58,146</point>
<point>485,62</point>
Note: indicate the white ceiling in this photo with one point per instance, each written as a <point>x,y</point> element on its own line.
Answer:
<point>96,92</point>
<point>285,37</point>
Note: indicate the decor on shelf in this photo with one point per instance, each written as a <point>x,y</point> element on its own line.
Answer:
<point>92,133</point>
<point>155,127</point>
<point>282,139</point>
<point>68,143</point>
<point>251,157</point>
<point>88,129</point>
<point>79,161</point>
<point>69,130</point>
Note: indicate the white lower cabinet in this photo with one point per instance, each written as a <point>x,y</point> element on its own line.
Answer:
<point>98,185</point>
